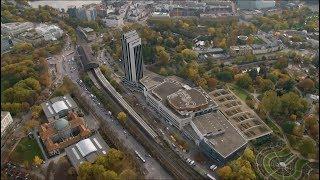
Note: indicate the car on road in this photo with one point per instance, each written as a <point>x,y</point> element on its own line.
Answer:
<point>213,167</point>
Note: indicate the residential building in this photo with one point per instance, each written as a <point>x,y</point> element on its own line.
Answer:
<point>31,37</point>
<point>88,33</point>
<point>255,4</point>
<point>160,15</point>
<point>61,133</point>
<point>15,28</point>
<point>72,11</point>
<point>6,43</point>
<point>88,13</point>
<point>6,121</point>
<point>87,150</point>
<point>49,32</point>
<point>132,56</point>
<point>113,21</point>
<point>59,107</point>
<point>248,15</point>
<point>240,50</point>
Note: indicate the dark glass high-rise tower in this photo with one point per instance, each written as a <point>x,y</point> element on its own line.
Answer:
<point>132,56</point>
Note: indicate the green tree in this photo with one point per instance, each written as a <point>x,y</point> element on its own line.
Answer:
<point>226,76</point>
<point>37,161</point>
<point>271,102</point>
<point>249,155</point>
<point>212,82</point>
<point>36,110</point>
<point>128,174</point>
<point>85,171</point>
<point>288,127</point>
<point>225,172</point>
<point>189,54</point>
<point>306,85</point>
<point>291,103</point>
<point>122,117</point>
<point>253,73</point>
<point>307,147</point>
<point>266,85</point>
<point>110,175</point>
<point>243,80</point>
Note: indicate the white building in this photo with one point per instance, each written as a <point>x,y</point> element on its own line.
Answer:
<point>16,28</point>
<point>113,21</point>
<point>6,120</point>
<point>49,32</point>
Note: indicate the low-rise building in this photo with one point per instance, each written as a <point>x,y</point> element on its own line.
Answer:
<point>6,121</point>
<point>49,32</point>
<point>59,107</point>
<point>113,21</point>
<point>88,33</point>
<point>248,15</point>
<point>16,28</point>
<point>86,150</point>
<point>240,50</point>
<point>160,15</point>
<point>61,133</point>
<point>6,44</point>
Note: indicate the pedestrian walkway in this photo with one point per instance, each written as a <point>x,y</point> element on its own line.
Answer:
<point>40,145</point>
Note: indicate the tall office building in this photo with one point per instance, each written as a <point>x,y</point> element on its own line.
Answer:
<point>132,56</point>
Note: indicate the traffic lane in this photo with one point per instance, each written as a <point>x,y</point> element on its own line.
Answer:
<point>154,169</point>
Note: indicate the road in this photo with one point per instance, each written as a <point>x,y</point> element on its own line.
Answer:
<point>154,169</point>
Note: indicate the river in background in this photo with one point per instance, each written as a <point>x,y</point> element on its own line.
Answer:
<point>62,4</point>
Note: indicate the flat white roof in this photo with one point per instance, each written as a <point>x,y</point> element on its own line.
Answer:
<point>59,106</point>
<point>86,147</point>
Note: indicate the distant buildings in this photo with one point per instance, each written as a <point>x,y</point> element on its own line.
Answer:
<point>86,12</point>
<point>6,121</point>
<point>132,57</point>
<point>36,34</point>
<point>113,21</point>
<point>255,4</point>
<point>49,32</point>
<point>6,43</point>
<point>240,50</point>
<point>15,28</point>
<point>88,33</point>
<point>86,150</point>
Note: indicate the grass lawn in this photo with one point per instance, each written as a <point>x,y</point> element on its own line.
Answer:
<point>285,152</point>
<point>239,92</point>
<point>26,150</point>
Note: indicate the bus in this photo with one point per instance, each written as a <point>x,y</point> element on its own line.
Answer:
<point>140,156</point>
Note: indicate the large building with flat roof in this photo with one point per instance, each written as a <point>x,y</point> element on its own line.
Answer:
<point>86,150</point>
<point>193,111</point>
<point>218,138</point>
<point>58,107</point>
<point>240,115</point>
<point>176,102</point>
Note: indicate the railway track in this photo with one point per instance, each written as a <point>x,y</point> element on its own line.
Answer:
<point>167,157</point>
